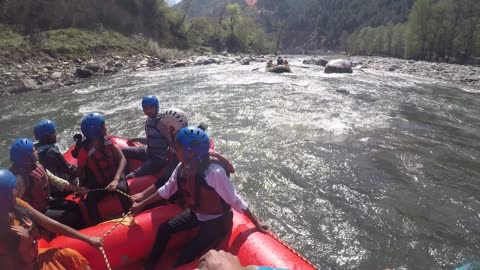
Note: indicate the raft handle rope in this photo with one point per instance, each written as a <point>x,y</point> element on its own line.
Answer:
<point>116,224</point>
<point>273,235</point>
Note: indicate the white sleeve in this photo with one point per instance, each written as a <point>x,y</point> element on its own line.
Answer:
<point>217,178</point>
<point>170,187</point>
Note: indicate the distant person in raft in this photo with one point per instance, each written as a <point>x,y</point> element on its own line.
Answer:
<point>279,61</point>
<point>19,223</point>
<point>270,63</point>
<point>203,188</point>
<point>155,156</point>
<point>34,183</point>
<point>50,156</point>
<point>100,165</point>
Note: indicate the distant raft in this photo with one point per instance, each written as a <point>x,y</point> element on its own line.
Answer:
<point>279,69</point>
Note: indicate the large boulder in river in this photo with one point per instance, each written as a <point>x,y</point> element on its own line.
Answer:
<point>83,73</point>
<point>245,61</point>
<point>95,67</point>
<point>25,85</point>
<point>180,63</point>
<point>339,66</point>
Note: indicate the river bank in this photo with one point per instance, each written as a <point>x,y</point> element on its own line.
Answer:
<point>47,74</point>
<point>53,59</point>
<point>441,71</point>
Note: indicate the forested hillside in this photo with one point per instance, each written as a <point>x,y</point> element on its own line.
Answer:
<point>224,24</point>
<point>149,17</point>
<point>316,24</point>
<point>63,27</point>
<point>208,8</point>
<point>434,30</point>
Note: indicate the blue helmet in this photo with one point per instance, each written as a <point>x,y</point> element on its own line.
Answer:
<point>150,101</point>
<point>194,140</point>
<point>92,125</point>
<point>44,128</point>
<point>20,150</point>
<point>8,181</point>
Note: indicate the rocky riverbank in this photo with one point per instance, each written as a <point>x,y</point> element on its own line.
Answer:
<point>442,71</point>
<point>47,74</point>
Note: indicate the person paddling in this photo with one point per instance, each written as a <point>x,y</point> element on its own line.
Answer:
<point>204,189</point>
<point>19,224</point>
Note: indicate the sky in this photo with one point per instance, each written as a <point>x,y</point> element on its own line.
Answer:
<point>172,2</point>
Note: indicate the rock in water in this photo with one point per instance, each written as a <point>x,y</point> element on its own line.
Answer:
<point>338,66</point>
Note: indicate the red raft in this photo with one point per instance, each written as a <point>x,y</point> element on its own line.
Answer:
<point>127,246</point>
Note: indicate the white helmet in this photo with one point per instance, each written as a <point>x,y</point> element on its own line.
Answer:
<point>175,119</point>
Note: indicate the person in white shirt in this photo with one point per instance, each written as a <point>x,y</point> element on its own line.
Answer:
<point>203,188</point>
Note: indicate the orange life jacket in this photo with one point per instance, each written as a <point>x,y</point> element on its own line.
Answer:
<point>37,188</point>
<point>195,193</point>
<point>19,251</point>
<point>102,165</point>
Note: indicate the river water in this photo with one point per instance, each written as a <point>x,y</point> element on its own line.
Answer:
<point>358,171</point>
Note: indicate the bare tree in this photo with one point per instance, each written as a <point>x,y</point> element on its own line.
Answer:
<point>188,4</point>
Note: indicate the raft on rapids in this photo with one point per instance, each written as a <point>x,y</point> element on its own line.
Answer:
<point>279,69</point>
<point>129,243</point>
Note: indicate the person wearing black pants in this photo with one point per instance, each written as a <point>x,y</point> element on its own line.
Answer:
<point>203,188</point>
<point>100,164</point>
<point>65,212</point>
<point>93,198</point>
<point>210,234</point>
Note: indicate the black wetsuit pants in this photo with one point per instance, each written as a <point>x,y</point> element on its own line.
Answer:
<point>210,234</point>
<point>65,212</point>
<point>93,198</point>
<point>150,165</point>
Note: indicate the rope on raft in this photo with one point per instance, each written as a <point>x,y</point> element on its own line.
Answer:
<point>115,225</point>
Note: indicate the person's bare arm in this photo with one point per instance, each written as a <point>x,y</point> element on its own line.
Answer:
<point>144,194</point>
<point>121,167</point>
<point>219,260</point>
<point>56,227</point>
<point>20,188</point>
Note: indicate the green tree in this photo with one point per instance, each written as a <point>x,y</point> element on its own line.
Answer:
<point>234,14</point>
<point>419,29</point>
<point>200,31</point>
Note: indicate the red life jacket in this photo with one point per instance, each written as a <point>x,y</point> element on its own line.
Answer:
<point>102,165</point>
<point>37,188</point>
<point>15,250</point>
<point>195,193</point>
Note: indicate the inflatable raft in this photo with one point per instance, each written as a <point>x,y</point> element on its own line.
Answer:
<point>129,243</point>
<point>279,69</point>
